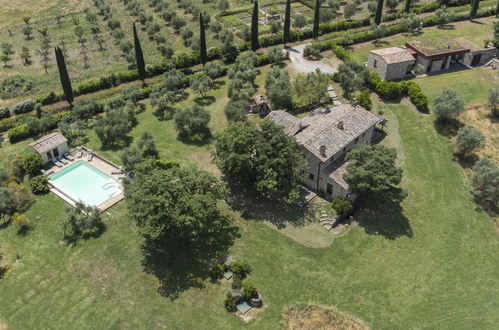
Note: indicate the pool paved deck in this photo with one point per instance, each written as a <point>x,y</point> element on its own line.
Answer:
<point>98,162</point>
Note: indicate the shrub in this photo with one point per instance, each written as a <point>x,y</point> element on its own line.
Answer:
<point>416,95</point>
<point>249,290</point>
<point>241,268</point>
<point>39,184</point>
<point>237,110</point>
<point>486,182</point>
<point>389,90</point>
<point>342,207</point>
<point>237,283</point>
<point>312,50</point>
<point>14,86</point>
<point>24,106</point>
<point>341,53</point>
<point>231,302</point>
<point>18,133</point>
<point>217,272</point>
<point>22,223</point>
<point>468,139</point>
<point>32,163</point>
<point>364,99</point>
<point>4,113</point>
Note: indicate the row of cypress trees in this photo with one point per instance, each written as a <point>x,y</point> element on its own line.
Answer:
<point>139,56</point>
<point>139,60</point>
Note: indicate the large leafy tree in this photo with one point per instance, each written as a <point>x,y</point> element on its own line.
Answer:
<point>447,105</point>
<point>373,174</point>
<point>353,77</point>
<point>139,56</point>
<point>81,220</point>
<point>278,86</point>
<point>311,88</point>
<point>255,44</point>
<point>175,207</point>
<point>379,12</point>
<point>287,23</point>
<point>113,128</point>
<point>263,156</point>
<point>64,76</point>
<point>315,29</point>
<point>192,122</point>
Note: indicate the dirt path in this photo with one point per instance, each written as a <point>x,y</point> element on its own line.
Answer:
<point>302,64</point>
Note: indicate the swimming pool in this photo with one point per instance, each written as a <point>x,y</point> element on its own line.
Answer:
<point>83,182</point>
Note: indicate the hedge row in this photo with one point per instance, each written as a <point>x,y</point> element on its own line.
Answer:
<point>22,132</point>
<point>394,90</point>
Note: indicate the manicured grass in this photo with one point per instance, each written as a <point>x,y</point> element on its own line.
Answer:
<point>430,262</point>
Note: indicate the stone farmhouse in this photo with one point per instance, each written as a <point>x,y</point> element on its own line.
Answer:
<point>326,135</point>
<point>428,56</point>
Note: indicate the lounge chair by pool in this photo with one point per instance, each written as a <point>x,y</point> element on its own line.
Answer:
<point>62,160</point>
<point>78,153</point>
<point>68,156</point>
<point>57,163</point>
<point>47,173</point>
<point>90,156</point>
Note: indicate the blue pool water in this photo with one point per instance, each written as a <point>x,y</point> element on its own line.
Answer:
<point>83,182</point>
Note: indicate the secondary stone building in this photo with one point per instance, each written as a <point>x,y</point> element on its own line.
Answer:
<point>427,56</point>
<point>50,146</point>
<point>326,135</point>
<point>391,63</point>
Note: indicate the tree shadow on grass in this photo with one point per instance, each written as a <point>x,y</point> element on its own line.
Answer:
<point>467,161</point>
<point>217,84</point>
<point>254,206</point>
<point>123,143</point>
<point>448,127</point>
<point>385,219</point>
<point>163,114</point>
<point>181,268</point>
<point>204,101</point>
<point>198,140</point>
<point>96,232</point>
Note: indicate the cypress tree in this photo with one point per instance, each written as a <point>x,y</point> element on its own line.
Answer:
<point>287,23</point>
<point>139,56</point>
<point>202,40</point>
<point>64,76</point>
<point>315,31</point>
<point>379,12</point>
<point>254,28</point>
<point>474,8</point>
<point>407,6</point>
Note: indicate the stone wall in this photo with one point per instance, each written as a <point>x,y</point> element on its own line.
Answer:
<point>391,71</point>
<point>486,55</point>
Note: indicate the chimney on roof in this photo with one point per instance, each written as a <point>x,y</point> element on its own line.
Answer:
<point>322,150</point>
<point>340,125</point>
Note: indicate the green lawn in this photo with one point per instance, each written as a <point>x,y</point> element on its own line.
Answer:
<point>430,262</point>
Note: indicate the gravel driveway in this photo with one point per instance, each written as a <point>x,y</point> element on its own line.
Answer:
<point>304,65</point>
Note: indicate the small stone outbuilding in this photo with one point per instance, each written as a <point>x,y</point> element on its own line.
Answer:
<point>260,104</point>
<point>50,146</point>
<point>391,63</point>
